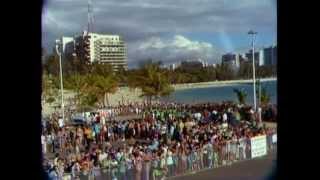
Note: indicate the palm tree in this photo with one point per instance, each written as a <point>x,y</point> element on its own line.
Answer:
<point>265,97</point>
<point>102,86</point>
<point>78,84</point>
<point>152,81</point>
<point>241,95</point>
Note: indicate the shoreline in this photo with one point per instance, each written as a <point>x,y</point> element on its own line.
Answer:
<point>217,83</point>
<point>125,94</point>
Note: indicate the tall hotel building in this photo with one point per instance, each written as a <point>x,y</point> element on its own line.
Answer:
<point>101,48</point>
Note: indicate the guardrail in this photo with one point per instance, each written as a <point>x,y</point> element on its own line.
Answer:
<point>192,162</point>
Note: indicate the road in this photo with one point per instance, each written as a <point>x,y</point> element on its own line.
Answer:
<point>257,169</point>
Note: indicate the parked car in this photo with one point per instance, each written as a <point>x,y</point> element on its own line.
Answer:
<point>78,120</point>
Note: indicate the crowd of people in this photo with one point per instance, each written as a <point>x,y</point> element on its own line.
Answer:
<point>167,140</point>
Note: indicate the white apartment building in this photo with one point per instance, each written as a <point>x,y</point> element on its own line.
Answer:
<point>94,47</point>
<point>106,49</point>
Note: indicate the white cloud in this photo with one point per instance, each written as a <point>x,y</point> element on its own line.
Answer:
<point>173,49</point>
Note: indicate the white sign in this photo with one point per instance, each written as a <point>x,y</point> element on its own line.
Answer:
<point>274,138</point>
<point>258,146</point>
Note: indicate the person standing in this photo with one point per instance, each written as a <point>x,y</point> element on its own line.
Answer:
<point>60,169</point>
<point>129,166</point>
<point>147,165</point>
<point>53,173</point>
<point>122,168</point>
<point>114,168</point>
<point>138,166</point>
<point>44,144</point>
<point>210,154</point>
<point>75,170</point>
<point>185,160</point>
<point>170,163</point>
<point>163,165</point>
<point>96,171</point>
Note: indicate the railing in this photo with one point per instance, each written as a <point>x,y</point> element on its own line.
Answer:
<point>193,162</point>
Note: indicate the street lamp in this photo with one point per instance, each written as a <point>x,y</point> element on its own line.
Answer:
<point>58,43</point>
<point>253,33</point>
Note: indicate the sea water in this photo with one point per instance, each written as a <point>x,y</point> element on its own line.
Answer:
<point>222,93</point>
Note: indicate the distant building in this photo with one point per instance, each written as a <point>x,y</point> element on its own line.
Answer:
<point>270,55</point>
<point>261,57</point>
<point>68,46</point>
<point>188,65</point>
<point>275,55</point>
<point>196,61</point>
<point>172,66</point>
<point>232,59</point>
<point>256,56</point>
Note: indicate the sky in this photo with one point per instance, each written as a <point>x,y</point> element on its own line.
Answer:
<point>167,30</point>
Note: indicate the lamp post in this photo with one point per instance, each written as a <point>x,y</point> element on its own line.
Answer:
<point>58,43</point>
<point>252,33</point>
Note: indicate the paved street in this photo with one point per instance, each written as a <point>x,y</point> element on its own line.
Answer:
<point>258,169</point>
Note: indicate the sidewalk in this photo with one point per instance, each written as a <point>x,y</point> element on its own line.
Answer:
<point>254,169</point>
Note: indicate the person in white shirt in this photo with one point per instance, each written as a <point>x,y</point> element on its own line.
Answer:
<point>75,170</point>
<point>103,120</point>
<point>224,117</point>
<point>61,123</point>
<point>44,144</point>
<point>102,156</point>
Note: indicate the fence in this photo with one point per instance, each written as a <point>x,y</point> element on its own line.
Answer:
<point>207,158</point>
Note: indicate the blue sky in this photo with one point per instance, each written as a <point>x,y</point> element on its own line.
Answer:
<point>167,30</point>
<point>233,42</point>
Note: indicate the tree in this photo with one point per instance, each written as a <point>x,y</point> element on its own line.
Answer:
<point>122,76</point>
<point>265,97</point>
<point>103,86</point>
<point>49,90</point>
<point>152,81</point>
<point>88,100</point>
<point>101,69</point>
<point>224,72</point>
<point>241,95</point>
<point>51,65</point>
<point>78,84</point>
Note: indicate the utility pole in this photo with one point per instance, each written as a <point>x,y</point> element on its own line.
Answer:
<point>58,44</point>
<point>252,33</point>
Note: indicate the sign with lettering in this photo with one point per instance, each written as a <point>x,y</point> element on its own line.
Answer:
<point>258,146</point>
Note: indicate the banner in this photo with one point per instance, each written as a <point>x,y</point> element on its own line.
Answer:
<point>274,138</point>
<point>258,146</point>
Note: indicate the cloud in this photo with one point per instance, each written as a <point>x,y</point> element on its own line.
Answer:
<point>139,20</point>
<point>174,49</point>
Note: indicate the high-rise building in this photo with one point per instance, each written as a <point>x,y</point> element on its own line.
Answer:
<point>275,55</point>
<point>256,56</point>
<point>94,47</point>
<point>232,59</point>
<point>106,49</point>
<point>270,55</point>
<point>172,66</point>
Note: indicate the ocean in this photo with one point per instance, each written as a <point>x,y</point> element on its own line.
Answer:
<point>221,93</point>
